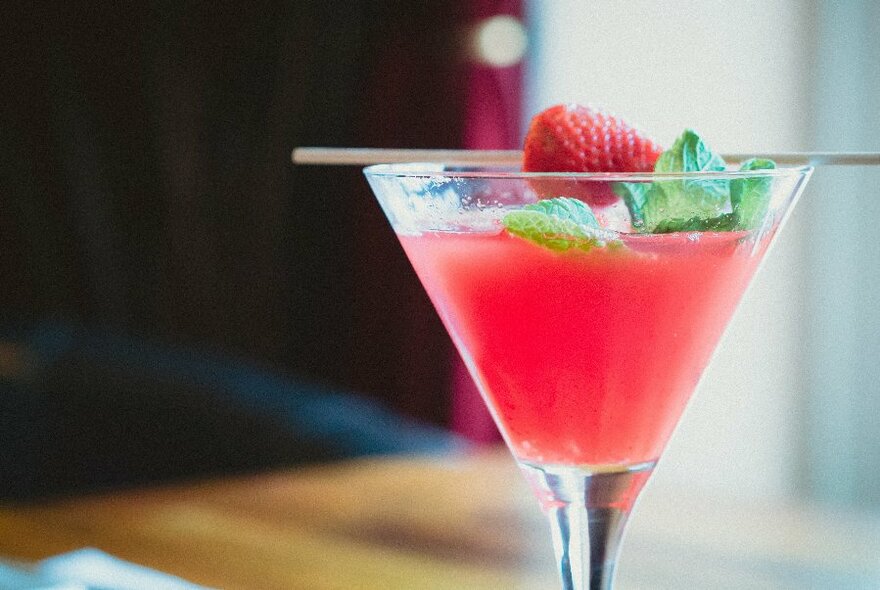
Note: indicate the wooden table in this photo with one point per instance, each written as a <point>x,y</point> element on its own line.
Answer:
<point>455,523</point>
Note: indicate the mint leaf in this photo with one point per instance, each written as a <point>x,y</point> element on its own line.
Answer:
<point>750,197</point>
<point>545,230</point>
<point>558,224</point>
<point>682,200</point>
<point>689,153</point>
<point>691,198</point>
<point>724,222</point>
<point>634,195</point>
<point>566,208</point>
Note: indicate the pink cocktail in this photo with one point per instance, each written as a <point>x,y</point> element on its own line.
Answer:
<point>586,358</point>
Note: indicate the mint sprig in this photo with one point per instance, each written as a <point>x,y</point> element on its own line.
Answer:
<point>663,206</point>
<point>634,195</point>
<point>689,198</point>
<point>558,224</point>
<point>689,153</point>
<point>724,222</point>
<point>566,208</point>
<point>750,197</point>
<point>693,204</point>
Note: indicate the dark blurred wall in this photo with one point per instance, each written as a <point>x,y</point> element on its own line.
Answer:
<point>147,188</point>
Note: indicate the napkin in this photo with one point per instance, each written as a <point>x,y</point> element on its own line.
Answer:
<point>88,569</point>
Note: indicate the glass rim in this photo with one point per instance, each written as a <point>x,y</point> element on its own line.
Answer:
<point>429,170</point>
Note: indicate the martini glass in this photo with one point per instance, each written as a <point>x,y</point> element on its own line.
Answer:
<point>586,358</point>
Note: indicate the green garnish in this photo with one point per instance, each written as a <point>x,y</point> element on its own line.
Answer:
<point>566,208</point>
<point>663,206</point>
<point>667,206</point>
<point>634,194</point>
<point>724,222</point>
<point>689,153</point>
<point>750,197</point>
<point>686,199</point>
<point>559,224</point>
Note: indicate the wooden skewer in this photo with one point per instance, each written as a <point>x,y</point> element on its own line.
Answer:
<point>368,156</point>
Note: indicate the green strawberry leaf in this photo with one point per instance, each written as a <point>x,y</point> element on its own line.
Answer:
<point>687,199</point>
<point>750,197</point>
<point>724,222</point>
<point>558,224</point>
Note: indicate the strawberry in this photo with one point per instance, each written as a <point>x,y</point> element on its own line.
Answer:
<point>574,138</point>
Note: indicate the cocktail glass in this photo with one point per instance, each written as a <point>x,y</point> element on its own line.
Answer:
<point>585,355</point>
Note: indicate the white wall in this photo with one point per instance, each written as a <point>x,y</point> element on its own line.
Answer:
<point>738,72</point>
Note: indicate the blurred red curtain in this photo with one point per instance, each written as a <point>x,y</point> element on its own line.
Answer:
<point>472,105</point>
<point>154,195</point>
<point>492,121</point>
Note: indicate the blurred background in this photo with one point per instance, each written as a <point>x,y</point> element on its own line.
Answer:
<point>789,406</point>
<point>179,300</point>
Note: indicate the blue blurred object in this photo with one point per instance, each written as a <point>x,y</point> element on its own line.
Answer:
<point>90,410</point>
<point>88,569</point>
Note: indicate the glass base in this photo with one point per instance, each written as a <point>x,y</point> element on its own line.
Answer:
<point>588,508</point>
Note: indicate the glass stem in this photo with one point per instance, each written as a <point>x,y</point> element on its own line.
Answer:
<point>586,563</point>
<point>588,512</point>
